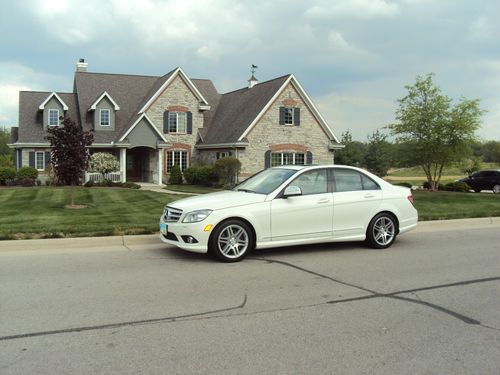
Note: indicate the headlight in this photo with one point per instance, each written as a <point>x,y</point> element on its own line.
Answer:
<point>196,216</point>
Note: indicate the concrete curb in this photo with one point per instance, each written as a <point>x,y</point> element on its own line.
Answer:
<point>124,242</point>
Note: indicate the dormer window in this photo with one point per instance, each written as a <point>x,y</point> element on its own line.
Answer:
<point>53,118</point>
<point>104,115</point>
<point>177,122</point>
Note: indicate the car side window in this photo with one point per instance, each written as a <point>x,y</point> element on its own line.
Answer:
<point>347,180</point>
<point>312,182</point>
<point>350,180</point>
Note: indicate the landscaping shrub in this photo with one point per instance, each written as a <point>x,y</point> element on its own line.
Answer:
<point>456,186</point>
<point>175,175</point>
<point>200,175</point>
<point>107,183</point>
<point>227,170</point>
<point>131,185</point>
<point>26,176</point>
<point>7,175</point>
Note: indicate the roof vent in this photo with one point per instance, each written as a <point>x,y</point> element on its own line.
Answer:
<point>81,65</point>
<point>253,81</point>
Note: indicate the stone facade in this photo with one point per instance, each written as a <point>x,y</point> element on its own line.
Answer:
<point>177,97</point>
<point>269,135</point>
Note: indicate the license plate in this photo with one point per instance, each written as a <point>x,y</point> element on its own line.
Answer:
<point>163,228</point>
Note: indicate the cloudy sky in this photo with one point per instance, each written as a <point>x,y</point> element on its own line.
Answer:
<point>353,57</point>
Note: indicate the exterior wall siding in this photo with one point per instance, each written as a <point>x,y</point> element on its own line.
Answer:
<point>269,135</point>
<point>53,103</point>
<point>104,104</point>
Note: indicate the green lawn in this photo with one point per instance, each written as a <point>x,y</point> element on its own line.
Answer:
<point>192,188</point>
<point>418,172</point>
<point>441,205</point>
<point>40,212</point>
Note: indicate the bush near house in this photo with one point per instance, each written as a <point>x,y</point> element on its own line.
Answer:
<point>26,176</point>
<point>455,186</point>
<point>175,177</point>
<point>7,175</point>
<point>227,169</point>
<point>201,175</point>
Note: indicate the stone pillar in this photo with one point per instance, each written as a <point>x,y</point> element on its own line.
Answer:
<point>160,166</point>
<point>123,164</point>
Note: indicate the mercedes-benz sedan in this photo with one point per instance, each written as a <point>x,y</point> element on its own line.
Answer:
<point>291,205</point>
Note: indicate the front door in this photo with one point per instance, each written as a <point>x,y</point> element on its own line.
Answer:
<point>138,164</point>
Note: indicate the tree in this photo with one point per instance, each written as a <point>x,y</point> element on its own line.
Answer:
<point>227,169</point>
<point>69,154</point>
<point>4,141</point>
<point>353,153</point>
<point>436,132</point>
<point>377,157</point>
<point>102,162</point>
<point>491,152</point>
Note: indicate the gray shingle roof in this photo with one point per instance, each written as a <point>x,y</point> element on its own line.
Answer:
<point>236,110</point>
<point>31,118</point>
<point>229,116</point>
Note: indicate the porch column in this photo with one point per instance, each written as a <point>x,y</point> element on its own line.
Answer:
<point>123,164</point>
<point>160,166</point>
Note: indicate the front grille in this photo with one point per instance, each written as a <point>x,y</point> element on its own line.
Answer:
<point>170,236</point>
<point>171,215</point>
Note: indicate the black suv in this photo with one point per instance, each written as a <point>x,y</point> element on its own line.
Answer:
<point>488,179</point>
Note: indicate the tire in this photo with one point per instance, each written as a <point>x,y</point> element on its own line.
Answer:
<point>231,241</point>
<point>477,190</point>
<point>496,189</point>
<point>382,231</point>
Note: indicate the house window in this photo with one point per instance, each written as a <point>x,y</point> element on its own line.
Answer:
<point>40,160</point>
<point>223,154</point>
<point>177,158</point>
<point>287,158</point>
<point>104,117</point>
<point>177,122</point>
<point>53,119</point>
<point>288,115</point>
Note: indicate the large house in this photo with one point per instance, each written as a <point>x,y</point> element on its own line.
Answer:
<point>152,123</point>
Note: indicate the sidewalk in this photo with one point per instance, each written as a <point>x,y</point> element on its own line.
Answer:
<point>154,240</point>
<point>160,189</point>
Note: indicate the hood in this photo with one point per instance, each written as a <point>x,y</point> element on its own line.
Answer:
<point>217,201</point>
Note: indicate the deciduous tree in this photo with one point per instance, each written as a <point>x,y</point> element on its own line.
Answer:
<point>436,131</point>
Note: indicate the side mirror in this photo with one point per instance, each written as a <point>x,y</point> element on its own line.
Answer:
<point>292,191</point>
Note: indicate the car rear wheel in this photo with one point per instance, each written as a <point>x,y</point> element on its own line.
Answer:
<point>382,231</point>
<point>496,189</point>
<point>477,190</point>
<point>231,241</point>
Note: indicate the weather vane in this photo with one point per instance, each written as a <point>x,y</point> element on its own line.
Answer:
<point>254,67</point>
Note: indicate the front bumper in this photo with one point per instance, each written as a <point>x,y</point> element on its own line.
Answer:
<point>178,232</point>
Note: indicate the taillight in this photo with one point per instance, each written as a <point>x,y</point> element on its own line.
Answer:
<point>410,198</point>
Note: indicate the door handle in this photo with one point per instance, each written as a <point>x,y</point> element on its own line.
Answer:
<point>324,200</point>
<point>369,196</point>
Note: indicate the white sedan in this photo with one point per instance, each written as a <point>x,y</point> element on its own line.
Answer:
<point>291,205</point>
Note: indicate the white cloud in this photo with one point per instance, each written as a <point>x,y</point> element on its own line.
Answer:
<point>362,9</point>
<point>481,28</point>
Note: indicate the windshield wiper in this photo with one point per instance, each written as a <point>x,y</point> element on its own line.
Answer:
<point>246,190</point>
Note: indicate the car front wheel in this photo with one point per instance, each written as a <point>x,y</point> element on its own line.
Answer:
<point>231,241</point>
<point>496,189</point>
<point>382,231</point>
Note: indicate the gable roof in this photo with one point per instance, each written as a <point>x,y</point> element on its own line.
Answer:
<point>53,94</point>
<point>165,81</point>
<point>236,110</point>
<point>98,100</point>
<point>31,129</point>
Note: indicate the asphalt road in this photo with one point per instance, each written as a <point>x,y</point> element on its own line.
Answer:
<point>428,305</point>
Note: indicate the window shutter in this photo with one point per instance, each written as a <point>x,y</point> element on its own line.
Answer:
<point>20,159</point>
<point>296,116</point>
<point>47,159</point>
<point>309,158</point>
<point>189,123</point>
<point>32,159</point>
<point>282,115</point>
<point>267,159</point>
<point>15,159</point>
<point>165,122</point>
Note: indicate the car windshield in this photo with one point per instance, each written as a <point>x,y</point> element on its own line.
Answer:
<point>265,181</point>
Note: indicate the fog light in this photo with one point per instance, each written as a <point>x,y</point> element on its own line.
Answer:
<point>189,239</point>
